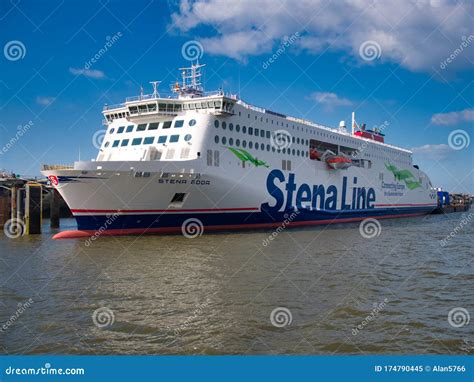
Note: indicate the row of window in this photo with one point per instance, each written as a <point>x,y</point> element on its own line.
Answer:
<point>254,131</point>
<point>152,126</point>
<point>148,140</point>
<point>259,146</point>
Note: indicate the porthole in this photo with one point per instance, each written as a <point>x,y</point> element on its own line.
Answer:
<point>231,126</point>
<point>244,143</point>
<point>294,151</point>
<point>224,125</point>
<point>262,147</point>
<point>250,144</point>
<point>224,140</point>
<point>283,151</point>
<point>106,144</point>
<point>216,139</point>
<point>244,130</point>
<point>231,141</point>
<point>237,128</point>
<point>216,123</point>
<point>237,142</point>
<point>187,137</point>
<point>268,147</point>
<point>111,131</point>
<point>192,122</point>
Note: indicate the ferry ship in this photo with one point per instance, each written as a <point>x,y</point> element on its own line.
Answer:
<point>213,162</point>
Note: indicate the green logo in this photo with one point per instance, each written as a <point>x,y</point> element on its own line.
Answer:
<point>245,156</point>
<point>403,175</point>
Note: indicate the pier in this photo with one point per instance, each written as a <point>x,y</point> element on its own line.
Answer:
<point>24,203</point>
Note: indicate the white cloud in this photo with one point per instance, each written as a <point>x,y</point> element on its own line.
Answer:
<point>454,117</point>
<point>433,151</point>
<point>417,34</point>
<point>97,74</point>
<point>44,101</point>
<point>330,99</point>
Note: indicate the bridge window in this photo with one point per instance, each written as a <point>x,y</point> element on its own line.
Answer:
<point>129,129</point>
<point>124,143</point>
<point>140,127</point>
<point>153,126</point>
<point>136,141</point>
<point>179,123</point>
<point>162,139</point>
<point>174,138</point>
<point>148,140</point>
<point>166,124</point>
<point>116,143</point>
<point>120,129</point>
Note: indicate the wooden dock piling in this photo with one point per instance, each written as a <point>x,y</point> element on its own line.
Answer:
<point>54,208</point>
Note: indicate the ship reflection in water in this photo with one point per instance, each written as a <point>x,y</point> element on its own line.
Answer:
<point>406,289</point>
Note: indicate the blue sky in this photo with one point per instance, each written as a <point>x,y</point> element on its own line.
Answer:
<point>405,63</point>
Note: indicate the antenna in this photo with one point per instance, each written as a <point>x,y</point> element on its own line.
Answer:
<point>141,91</point>
<point>155,88</point>
<point>191,78</point>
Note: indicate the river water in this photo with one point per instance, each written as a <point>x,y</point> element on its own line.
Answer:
<point>323,290</point>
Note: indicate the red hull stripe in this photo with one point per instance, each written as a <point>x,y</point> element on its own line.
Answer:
<point>407,204</point>
<point>168,210</point>
<point>165,230</point>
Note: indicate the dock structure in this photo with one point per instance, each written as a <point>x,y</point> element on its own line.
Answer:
<point>450,202</point>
